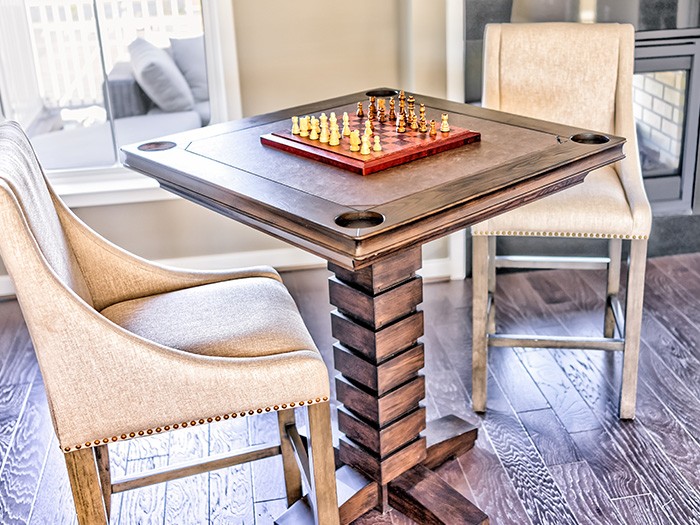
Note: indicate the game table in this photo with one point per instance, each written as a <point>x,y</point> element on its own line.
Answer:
<point>370,229</point>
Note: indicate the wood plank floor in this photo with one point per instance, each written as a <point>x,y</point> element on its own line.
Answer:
<point>551,449</point>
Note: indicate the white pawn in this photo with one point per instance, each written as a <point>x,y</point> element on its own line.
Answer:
<point>335,136</point>
<point>368,128</point>
<point>313,133</point>
<point>295,126</point>
<point>364,150</point>
<point>377,146</point>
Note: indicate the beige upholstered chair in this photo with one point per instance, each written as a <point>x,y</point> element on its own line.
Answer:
<point>128,348</point>
<point>580,75</point>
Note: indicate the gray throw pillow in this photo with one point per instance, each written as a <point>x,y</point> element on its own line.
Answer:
<point>159,77</point>
<point>188,54</point>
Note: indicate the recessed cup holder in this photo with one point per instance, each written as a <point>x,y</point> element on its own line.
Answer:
<point>590,138</point>
<point>160,145</point>
<point>382,93</point>
<point>359,219</point>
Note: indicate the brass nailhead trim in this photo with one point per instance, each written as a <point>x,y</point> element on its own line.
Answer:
<point>509,233</point>
<point>184,424</point>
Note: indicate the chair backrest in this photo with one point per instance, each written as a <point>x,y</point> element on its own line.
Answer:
<point>574,74</point>
<point>23,182</point>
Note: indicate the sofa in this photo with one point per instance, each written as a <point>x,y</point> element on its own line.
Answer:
<point>157,92</point>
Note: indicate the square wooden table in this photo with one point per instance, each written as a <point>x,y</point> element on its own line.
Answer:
<point>370,229</point>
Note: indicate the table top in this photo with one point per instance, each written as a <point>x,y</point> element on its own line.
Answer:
<point>354,220</point>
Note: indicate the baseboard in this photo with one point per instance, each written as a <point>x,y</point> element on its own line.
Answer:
<point>284,259</point>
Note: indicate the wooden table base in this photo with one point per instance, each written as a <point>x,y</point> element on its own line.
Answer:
<point>387,448</point>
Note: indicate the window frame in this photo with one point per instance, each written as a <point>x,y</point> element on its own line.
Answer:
<point>115,184</point>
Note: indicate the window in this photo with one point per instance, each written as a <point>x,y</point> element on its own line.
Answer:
<point>86,76</point>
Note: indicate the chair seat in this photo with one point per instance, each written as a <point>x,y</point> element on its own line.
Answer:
<point>596,208</point>
<point>250,317</point>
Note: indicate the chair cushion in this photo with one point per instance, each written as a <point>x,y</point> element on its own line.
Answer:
<point>596,208</point>
<point>250,317</point>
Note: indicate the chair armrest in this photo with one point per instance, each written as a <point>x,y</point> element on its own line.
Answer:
<point>126,98</point>
<point>114,275</point>
<point>629,171</point>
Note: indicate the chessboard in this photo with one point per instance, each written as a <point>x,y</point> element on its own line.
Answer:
<point>397,148</point>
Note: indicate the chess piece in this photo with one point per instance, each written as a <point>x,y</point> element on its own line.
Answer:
<point>333,121</point>
<point>377,146</point>
<point>423,123</point>
<point>346,125</point>
<point>433,128</point>
<point>304,127</point>
<point>372,108</point>
<point>382,110</point>
<point>364,150</point>
<point>313,134</point>
<point>411,107</point>
<point>325,135</point>
<point>414,122</point>
<point>368,128</point>
<point>335,135</point>
<point>355,140</point>
<point>359,112</point>
<point>295,126</point>
<point>392,109</point>
<point>444,126</point>
<point>401,126</point>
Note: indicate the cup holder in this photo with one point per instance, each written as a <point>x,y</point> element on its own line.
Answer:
<point>590,138</point>
<point>359,219</point>
<point>161,145</point>
<point>382,93</point>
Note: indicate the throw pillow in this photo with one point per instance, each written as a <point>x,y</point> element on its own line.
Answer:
<point>159,77</point>
<point>189,57</point>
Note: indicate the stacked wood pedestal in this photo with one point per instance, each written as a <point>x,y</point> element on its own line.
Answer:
<point>378,324</point>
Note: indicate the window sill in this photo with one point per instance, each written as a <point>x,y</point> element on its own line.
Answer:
<point>106,186</point>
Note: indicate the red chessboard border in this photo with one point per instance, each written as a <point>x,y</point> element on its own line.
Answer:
<point>422,145</point>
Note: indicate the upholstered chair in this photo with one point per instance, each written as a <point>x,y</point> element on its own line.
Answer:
<point>128,348</point>
<point>579,75</point>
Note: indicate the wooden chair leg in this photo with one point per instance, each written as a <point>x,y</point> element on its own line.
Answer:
<point>322,465</point>
<point>85,485</point>
<point>480,277</point>
<point>102,460</point>
<point>491,328</point>
<point>613,287</point>
<point>633,327</point>
<point>292,476</point>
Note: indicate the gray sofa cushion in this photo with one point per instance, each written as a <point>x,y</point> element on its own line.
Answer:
<point>189,56</point>
<point>159,77</point>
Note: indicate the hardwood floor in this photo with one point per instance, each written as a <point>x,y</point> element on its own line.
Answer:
<point>550,451</point>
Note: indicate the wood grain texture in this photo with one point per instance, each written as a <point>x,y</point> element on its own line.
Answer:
<point>187,499</point>
<point>549,436</point>
<point>231,490</point>
<point>541,497</point>
<point>642,510</point>
<point>53,502</point>
<point>668,411</point>
<point>587,499</point>
<point>20,472</point>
